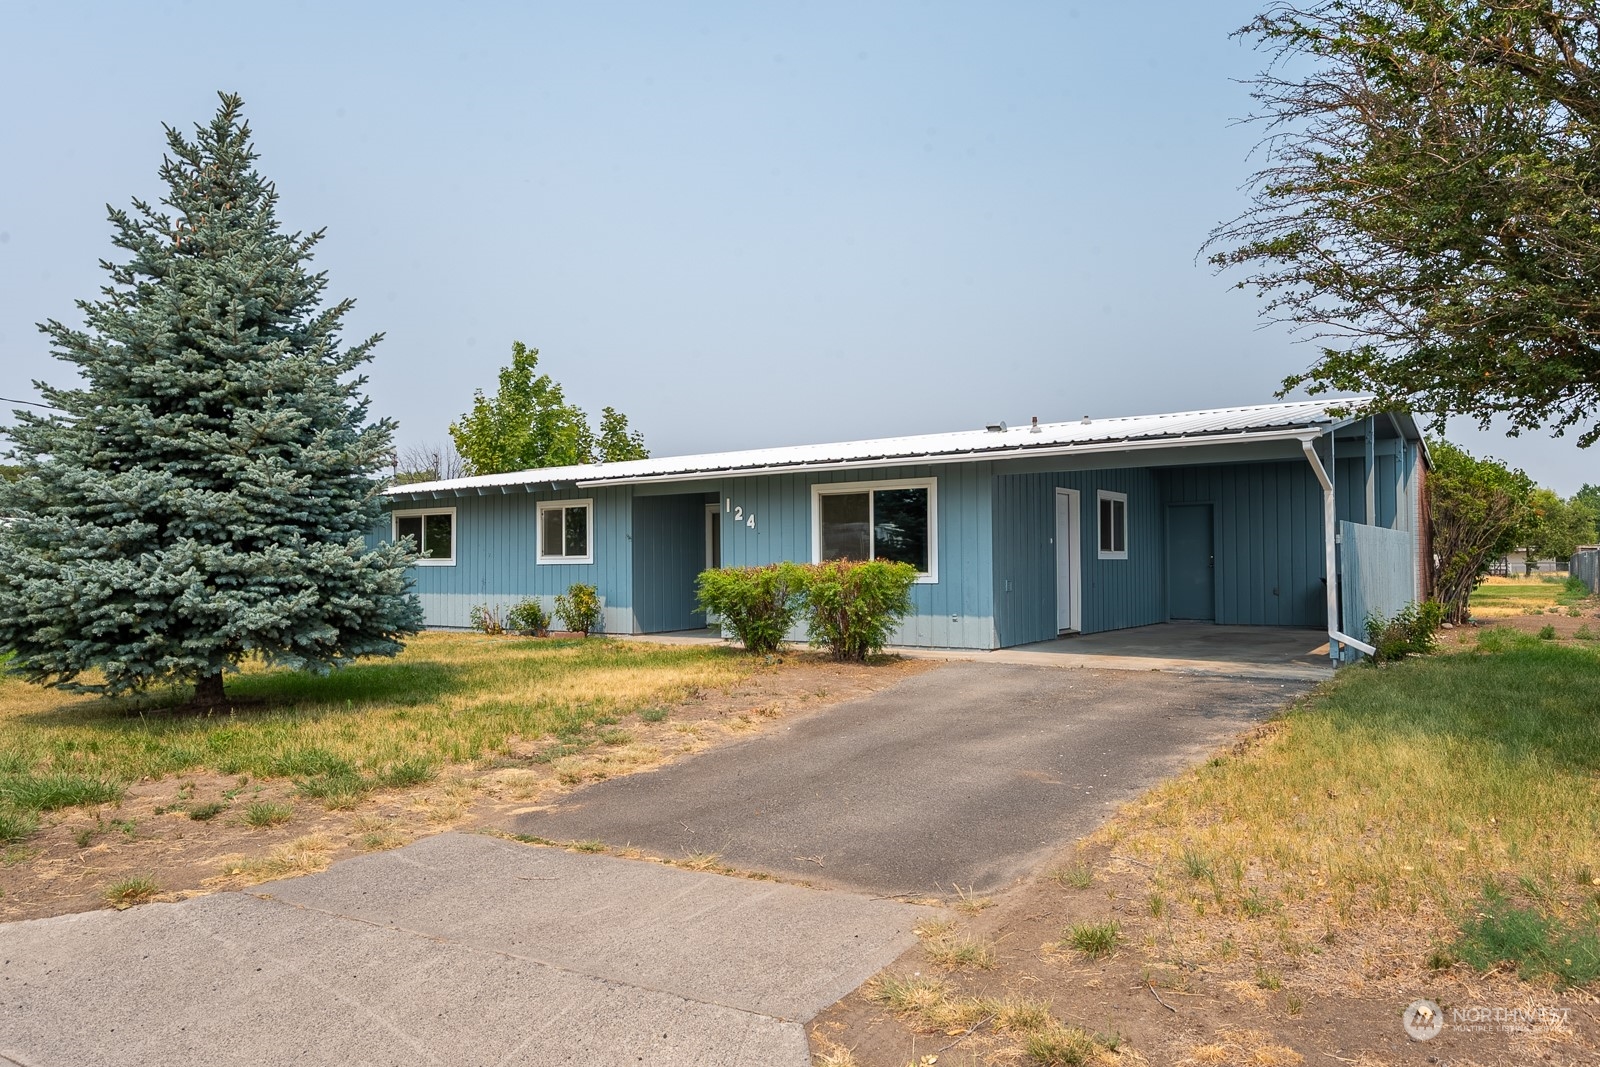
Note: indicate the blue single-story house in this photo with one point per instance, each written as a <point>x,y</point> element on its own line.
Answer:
<point>1021,533</point>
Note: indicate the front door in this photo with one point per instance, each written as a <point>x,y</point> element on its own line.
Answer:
<point>713,548</point>
<point>1068,597</point>
<point>1191,563</point>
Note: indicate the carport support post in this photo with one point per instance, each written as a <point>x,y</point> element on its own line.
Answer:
<point>1330,526</point>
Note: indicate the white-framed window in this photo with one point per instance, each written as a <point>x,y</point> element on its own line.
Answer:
<point>566,531</point>
<point>433,531</point>
<point>1113,524</point>
<point>895,521</point>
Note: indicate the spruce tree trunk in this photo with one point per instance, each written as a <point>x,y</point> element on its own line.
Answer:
<point>208,690</point>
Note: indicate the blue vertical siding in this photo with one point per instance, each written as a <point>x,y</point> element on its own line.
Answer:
<point>995,578</point>
<point>1116,593</point>
<point>1350,488</point>
<point>956,611</point>
<point>497,557</point>
<point>1268,543</point>
<point>669,551</point>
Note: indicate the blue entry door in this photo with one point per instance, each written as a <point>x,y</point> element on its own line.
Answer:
<point>1191,563</point>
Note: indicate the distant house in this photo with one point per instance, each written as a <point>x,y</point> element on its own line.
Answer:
<point>1021,534</point>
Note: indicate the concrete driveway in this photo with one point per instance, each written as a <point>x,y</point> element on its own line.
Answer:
<point>969,776</point>
<point>468,950</point>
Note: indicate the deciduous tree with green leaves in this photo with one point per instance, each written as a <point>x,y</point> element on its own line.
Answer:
<point>204,494</point>
<point>528,424</point>
<point>1430,203</point>
<point>1478,509</point>
<point>1556,527</point>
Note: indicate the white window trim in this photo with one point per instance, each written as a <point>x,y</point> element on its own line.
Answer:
<point>431,561</point>
<point>538,533</point>
<point>1107,494</point>
<point>822,489</point>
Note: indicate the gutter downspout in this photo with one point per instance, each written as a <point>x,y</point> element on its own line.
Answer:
<point>1331,558</point>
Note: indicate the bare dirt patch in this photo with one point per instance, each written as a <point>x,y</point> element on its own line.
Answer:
<point>1159,998</point>
<point>198,832</point>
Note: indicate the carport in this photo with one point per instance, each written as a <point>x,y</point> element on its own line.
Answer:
<point>1282,652</point>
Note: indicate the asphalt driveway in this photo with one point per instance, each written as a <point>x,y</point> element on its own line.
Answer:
<point>969,776</point>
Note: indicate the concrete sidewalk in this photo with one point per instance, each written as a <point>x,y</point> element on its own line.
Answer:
<point>458,950</point>
<point>1264,653</point>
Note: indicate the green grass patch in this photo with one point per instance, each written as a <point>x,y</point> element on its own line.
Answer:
<point>16,825</point>
<point>1062,1046</point>
<point>265,813</point>
<point>207,812</point>
<point>1094,940</point>
<point>1536,943</point>
<point>53,790</point>
<point>130,891</point>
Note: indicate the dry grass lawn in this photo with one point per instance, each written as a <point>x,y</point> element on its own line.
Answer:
<point>458,731</point>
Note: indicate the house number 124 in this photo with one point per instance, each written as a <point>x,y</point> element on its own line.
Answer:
<point>738,513</point>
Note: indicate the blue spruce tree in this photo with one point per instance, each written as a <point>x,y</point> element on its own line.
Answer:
<point>203,495</point>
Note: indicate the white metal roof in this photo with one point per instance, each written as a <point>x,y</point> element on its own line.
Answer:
<point>1260,422</point>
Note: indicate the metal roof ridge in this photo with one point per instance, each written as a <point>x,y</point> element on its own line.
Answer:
<point>1014,439</point>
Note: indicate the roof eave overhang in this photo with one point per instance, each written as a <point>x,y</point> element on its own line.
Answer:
<point>976,455</point>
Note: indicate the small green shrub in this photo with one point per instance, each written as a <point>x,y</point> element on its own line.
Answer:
<point>485,618</point>
<point>852,608</point>
<point>207,812</point>
<point>529,617</point>
<point>758,605</point>
<point>1583,633</point>
<point>653,715</point>
<point>1413,630</point>
<point>579,608</point>
<point>1547,632</point>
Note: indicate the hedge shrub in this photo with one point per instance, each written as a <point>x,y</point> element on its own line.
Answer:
<point>485,618</point>
<point>852,608</point>
<point>758,605</point>
<point>579,608</point>
<point>529,617</point>
<point>1413,631</point>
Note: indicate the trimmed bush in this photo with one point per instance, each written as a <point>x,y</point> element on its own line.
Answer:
<point>579,608</point>
<point>852,608</point>
<point>758,605</point>
<point>485,618</point>
<point>529,617</point>
<point>1412,631</point>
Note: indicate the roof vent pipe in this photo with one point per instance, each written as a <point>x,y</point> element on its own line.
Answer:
<point>996,427</point>
<point>1087,420</point>
<point>1035,427</point>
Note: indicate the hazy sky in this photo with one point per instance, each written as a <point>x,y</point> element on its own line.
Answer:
<point>743,225</point>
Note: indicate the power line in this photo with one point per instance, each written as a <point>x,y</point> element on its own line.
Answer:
<point>30,403</point>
